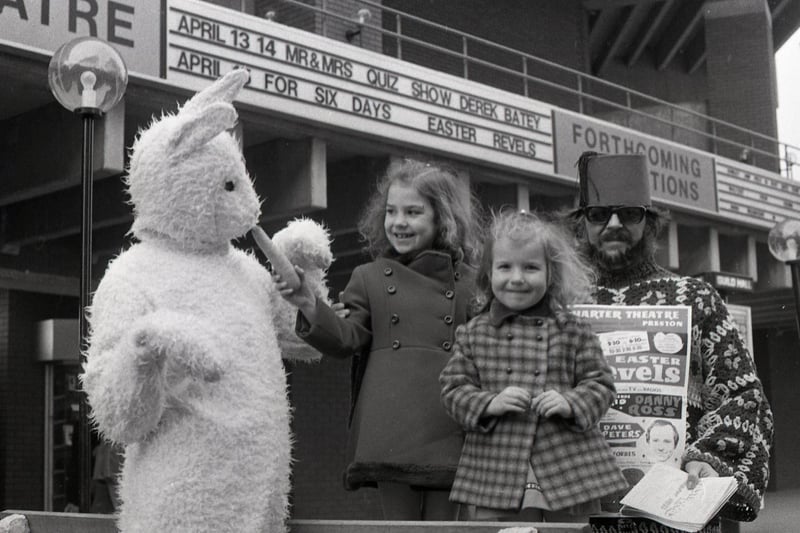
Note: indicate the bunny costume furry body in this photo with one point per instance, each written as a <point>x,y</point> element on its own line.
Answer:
<point>187,334</point>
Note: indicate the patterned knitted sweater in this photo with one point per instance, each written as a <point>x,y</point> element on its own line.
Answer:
<point>730,424</point>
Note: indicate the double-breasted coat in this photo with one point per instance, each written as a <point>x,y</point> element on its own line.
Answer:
<point>401,330</point>
<point>570,458</point>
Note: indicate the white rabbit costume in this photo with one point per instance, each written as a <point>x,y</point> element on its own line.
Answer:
<point>184,365</point>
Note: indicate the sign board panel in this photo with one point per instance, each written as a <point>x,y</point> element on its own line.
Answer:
<point>133,27</point>
<point>728,281</point>
<point>319,80</point>
<point>679,175</point>
<point>743,319</point>
<point>755,196</point>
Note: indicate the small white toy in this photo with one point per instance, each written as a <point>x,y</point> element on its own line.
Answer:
<point>187,334</point>
<point>14,523</point>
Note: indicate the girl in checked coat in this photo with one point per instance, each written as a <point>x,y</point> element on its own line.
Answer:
<point>528,382</point>
<point>403,308</point>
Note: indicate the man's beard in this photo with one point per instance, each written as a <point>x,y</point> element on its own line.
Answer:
<point>620,260</point>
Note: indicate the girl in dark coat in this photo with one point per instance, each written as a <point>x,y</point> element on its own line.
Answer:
<point>528,382</point>
<point>421,227</point>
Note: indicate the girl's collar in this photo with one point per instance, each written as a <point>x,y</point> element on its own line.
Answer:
<point>432,264</point>
<point>499,313</point>
<point>456,256</point>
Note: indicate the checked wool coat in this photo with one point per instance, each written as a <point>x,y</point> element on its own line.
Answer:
<point>570,458</point>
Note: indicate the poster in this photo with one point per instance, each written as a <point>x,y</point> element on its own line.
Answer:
<point>648,349</point>
<point>742,319</point>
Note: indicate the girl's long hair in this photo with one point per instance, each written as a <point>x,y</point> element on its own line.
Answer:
<point>570,280</point>
<point>457,213</point>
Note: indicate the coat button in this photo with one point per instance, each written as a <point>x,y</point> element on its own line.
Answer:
<point>446,345</point>
<point>395,345</point>
<point>449,295</point>
<point>457,276</point>
<point>391,289</point>
<point>509,370</point>
<point>536,372</point>
<point>538,322</point>
<point>448,319</point>
<point>387,271</point>
<point>395,319</point>
<point>539,337</point>
<point>510,335</point>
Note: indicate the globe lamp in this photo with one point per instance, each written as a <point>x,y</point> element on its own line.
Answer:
<point>87,76</point>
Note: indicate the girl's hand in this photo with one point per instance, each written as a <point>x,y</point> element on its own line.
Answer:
<point>339,307</point>
<point>302,297</point>
<point>509,400</point>
<point>551,403</point>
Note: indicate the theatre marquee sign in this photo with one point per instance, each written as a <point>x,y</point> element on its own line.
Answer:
<point>322,81</point>
<point>679,176</point>
<point>308,78</point>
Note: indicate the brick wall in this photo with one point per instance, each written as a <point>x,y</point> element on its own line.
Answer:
<point>328,26</point>
<point>320,393</point>
<point>288,14</point>
<point>321,402</point>
<point>22,395</point>
<point>5,398</point>
<point>518,24</point>
<point>741,66</point>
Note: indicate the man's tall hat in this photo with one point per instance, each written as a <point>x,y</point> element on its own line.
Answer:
<point>613,179</point>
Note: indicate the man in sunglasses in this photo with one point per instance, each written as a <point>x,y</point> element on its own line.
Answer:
<point>729,427</point>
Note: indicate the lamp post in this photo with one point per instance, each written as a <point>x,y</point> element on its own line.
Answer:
<point>784,245</point>
<point>89,77</point>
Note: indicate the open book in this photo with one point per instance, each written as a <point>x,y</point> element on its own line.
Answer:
<point>662,495</point>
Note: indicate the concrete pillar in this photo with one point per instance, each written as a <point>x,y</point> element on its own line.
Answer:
<point>53,162</point>
<point>713,250</point>
<point>772,274</point>
<point>465,176</point>
<point>351,182</point>
<point>740,64</point>
<point>752,262</point>
<point>667,253</point>
<point>523,197</point>
<point>291,176</point>
<point>698,249</point>
<point>734,252</point>
<point>496,196</point>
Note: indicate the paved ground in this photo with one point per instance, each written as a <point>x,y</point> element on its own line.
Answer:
<point>781,514</point>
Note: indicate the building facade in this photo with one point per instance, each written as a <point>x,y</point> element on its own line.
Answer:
<point>508,92</point>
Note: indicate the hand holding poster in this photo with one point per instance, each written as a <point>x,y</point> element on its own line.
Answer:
<point>648,350</point>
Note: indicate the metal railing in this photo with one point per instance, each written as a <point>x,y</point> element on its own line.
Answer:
<point>414,39</point>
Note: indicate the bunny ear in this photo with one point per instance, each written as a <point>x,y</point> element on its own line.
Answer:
<point>197,129</point>
<point>224,89</point>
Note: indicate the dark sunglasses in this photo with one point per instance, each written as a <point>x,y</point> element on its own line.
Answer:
<point>601,214</point>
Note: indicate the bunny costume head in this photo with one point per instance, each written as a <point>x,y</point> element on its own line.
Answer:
<point>187,180</point>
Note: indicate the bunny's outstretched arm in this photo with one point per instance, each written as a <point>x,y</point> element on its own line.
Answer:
<point>123,380</point>
<point>139,361</point>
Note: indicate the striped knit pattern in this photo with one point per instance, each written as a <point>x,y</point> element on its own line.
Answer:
<point>730,424</point>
